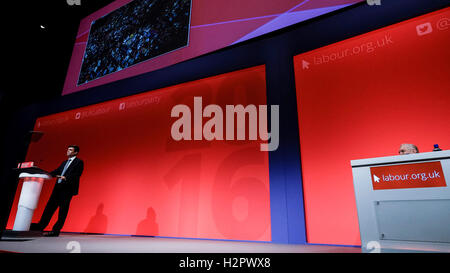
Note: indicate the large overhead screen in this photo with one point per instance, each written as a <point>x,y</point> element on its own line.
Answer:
<point>127,38</point>
<point>134,33</point>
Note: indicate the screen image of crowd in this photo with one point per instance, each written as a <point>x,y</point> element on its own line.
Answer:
<point>137,31</point>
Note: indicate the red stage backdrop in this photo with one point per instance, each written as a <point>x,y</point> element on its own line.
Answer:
<point>362,98</point>
<point>138,180</point>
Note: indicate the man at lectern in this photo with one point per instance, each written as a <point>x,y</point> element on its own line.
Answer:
<point>68,179</point>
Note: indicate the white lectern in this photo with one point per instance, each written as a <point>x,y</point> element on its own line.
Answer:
<point>403,202</point>
<point>29,196</point>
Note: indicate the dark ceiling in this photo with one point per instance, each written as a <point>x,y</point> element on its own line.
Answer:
<point>37,42</point>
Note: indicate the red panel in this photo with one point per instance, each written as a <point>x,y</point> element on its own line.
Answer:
<point>406,176</point>
<point>362,98</point>
<point>138,180</point>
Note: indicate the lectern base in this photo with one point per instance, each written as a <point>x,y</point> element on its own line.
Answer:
<point>29,197</point>
<point>11,235</point>
<point>23,219</point>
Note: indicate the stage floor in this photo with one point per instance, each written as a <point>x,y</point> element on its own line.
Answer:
<point>69,242</point>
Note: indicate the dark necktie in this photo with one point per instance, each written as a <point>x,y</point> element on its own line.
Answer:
<point>64,170</point>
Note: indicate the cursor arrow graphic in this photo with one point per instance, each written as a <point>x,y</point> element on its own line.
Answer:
<point>305,64</point>
<point>376,179</point>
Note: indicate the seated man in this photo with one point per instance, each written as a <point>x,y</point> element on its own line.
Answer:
<point>406,149</point>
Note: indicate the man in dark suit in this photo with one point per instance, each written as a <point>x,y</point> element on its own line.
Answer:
<point>68,180</point>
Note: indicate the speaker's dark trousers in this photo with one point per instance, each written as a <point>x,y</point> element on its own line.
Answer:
<point>60,198</point>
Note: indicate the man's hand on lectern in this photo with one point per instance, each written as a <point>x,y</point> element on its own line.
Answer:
<point>62,177</point>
